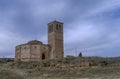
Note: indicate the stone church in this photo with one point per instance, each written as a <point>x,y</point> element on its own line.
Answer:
<point>35,50</point>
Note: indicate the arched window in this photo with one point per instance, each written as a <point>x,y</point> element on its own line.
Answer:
<point>35,47</point>
<point>51,28</point>
<point>57,27</point>
<point>60,30</point>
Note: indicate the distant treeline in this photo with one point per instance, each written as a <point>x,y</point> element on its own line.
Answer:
<point>6,59</point>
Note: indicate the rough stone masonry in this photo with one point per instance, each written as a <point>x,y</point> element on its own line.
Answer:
<point>35,50</point>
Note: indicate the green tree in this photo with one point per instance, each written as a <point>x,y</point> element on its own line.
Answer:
<point>80,54</point>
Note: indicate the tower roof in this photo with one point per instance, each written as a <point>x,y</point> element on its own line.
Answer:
<point>55,22</point>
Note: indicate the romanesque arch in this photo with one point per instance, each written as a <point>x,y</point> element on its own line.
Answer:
<point>43,56</point>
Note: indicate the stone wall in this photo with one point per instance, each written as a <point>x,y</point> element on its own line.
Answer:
<point>35,50</point>
<point>32,52</point>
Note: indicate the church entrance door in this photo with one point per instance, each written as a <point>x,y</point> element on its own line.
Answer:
<point>43,56</point>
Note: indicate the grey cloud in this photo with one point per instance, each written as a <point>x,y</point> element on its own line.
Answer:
<point>89,25</point>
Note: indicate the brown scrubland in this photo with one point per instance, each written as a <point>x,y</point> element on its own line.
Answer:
<point>67,68</point>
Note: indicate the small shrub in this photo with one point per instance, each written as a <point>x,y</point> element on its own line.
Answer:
<point>80,54</point>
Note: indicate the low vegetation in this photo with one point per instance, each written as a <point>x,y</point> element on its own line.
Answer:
<point>67,68</point>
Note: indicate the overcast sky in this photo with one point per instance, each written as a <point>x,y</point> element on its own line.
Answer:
<point>90,26</point>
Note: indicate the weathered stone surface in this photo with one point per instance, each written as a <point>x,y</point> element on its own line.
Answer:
<point>35,50</point>
<point>55,39</point>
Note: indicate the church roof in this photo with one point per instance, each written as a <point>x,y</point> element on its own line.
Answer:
<point>34,42</point>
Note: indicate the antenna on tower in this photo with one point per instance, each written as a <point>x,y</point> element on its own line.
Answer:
<point>76,52</point>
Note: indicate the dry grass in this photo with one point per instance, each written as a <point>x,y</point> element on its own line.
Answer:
<point>100,68</point>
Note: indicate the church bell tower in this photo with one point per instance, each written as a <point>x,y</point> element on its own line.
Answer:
<point>55,39</point>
